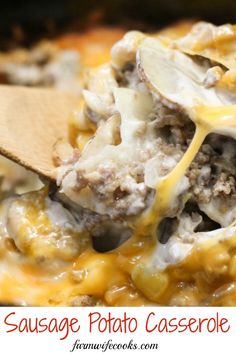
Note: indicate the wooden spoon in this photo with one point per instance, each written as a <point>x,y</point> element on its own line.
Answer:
<point>32,120</point>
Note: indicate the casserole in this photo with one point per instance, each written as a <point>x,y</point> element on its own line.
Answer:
<point>145,209</point>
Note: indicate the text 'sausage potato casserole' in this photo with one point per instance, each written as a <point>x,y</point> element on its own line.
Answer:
<point>145,209</point>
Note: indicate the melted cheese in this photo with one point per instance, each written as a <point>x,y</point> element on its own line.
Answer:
<point>166,188</point>
<point>207,276</point>
<point>209,119</point>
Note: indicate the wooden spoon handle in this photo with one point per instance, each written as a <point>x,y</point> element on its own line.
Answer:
<point>31,121</point>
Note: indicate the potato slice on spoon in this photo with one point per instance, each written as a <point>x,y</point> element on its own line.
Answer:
<point>179,82</point>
